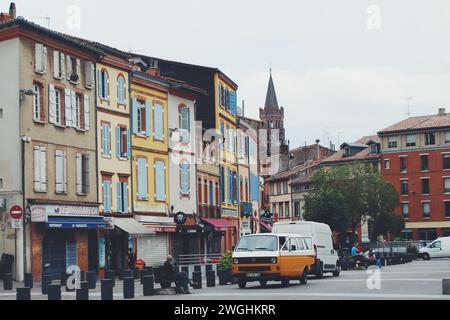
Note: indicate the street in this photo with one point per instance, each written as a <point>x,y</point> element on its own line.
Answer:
<point>420,280</point>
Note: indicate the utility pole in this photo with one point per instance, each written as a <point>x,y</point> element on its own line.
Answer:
<point>408,104</point>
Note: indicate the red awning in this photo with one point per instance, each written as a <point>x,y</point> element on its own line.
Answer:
<point>161,228</point>
<point>263,224</point>
<point>219,224</point>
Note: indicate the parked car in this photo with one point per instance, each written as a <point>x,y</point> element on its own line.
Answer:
<point>272,257</point>
<point>439,248</point>
<point>327,257</point>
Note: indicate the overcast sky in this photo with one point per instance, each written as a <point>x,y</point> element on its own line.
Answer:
<point>341,68</point>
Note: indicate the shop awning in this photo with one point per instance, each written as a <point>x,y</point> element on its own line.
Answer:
<point>158,224</point>
<point>266,226</point>
<point>77,223</point>
<point>132,227</point>
<point>219,224</point>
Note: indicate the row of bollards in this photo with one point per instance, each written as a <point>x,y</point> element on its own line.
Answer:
<point>88,281</point>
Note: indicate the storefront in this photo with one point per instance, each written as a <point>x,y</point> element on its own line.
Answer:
<point>64,235</point>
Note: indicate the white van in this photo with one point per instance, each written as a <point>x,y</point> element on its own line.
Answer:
<point>439,248</point>
<point>327,259</point>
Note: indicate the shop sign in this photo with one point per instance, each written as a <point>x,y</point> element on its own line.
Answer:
<point>40,213</point>
<point>245,227</point>
<point>229,212</point>
<point>180,218</point>
<point>246,209</point>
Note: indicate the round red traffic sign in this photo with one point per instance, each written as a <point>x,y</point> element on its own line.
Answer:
<point>16,212</point>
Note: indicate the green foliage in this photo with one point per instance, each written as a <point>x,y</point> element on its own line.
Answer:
<point>226,262</point>
<point>387,223</point>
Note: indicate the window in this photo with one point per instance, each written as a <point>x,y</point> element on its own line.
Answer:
<point>404,187</point>
<point>272,188</point>
<point>78,109</point>
<point>40,54</point>
<point>447,185</point>
<point>411,140</point>
<point>158,124</point>
<point>288,213</point>
<point>89,74</point>
<point>285,187</point>
<point>73,69</point>
<point>426,209</point>
<point>56,104</point>
<point>61,171</point>
<point>374,148</point>
<point>123,143</point>
<point>121,89</point>
<point>59,65</point>
<point>430,139</point>
<point>405,210</point>
<point>184,179</point>
<point>106,139</point>
<point>142,179</point>
<point>446,161</point>
<point>40,169</point>
<point>447,137</point>
<point>160,181</point>
<point>424,162</point>
<point>392,142</point>
<point>103,84</point>
<point>427,234</point>
<point>426,186</point>
<point>142,112</point>
<point>403,164</point>
<point>407,235</point>
<point>297,209</point>
<point>107,200</point>
<point>447,209</point>
<point>122,197</point>
<point>387,164</point>
<point>185,124</point>
<point>38,107</point>
<point>278,187</point>
<point>83,173</point>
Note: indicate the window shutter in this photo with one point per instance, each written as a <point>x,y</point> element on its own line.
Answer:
<point>118,136</point>
<point>62,65</point>
<point>233,105</point>
<point>160,181</point>
<point>92,75</point>
<point>64,171</point>
<point>87,113</point>
<point>107,196</point>
<point>44,59</point>
<point>79,70</point>
<point>52,103</point>
<point>99,84</point>
<point>119,197</point>
<point>68,107</point>
<point>68,67</point>
<point>59,167</point>
<point>86,170</point>
<point>159,129</point>
<point>37,168</point>
<point>125,197</point>
<point>104,140</point>
<point>128,144</point>
<point>147,118</point>
<point>107,92</point>
<point>142,178</point>
<point>134,112</point>
<point>38,49</point>
<point>43,169</point>
<point>79,172</point>
<point>184,178</point>
<point>73,102</point>
<point>56,64</point>
<point>87,74</point>
<point>220,95</point>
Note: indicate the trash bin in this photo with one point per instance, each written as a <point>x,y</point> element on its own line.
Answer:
<point>6,264</point>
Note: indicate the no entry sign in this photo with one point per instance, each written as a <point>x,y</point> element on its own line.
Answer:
<point>16,212</point>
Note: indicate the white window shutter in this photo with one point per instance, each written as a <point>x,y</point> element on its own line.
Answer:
<point>73,102</point>
<point>38,48</point>
<point>59,168</point>
<point>65,171</point>
<point>43,170</point>
<point>63,65</point>
<point>52,103</point>
<point>79,173</point>
<point>68,67</point>
<point>56,64</point>
<point>93,74</point>
<point>44,59</point>
<point>37,168</point>
<point>79,70</point>
<point>87,74</point>
<point>87,118</point>
<point>68,106</point>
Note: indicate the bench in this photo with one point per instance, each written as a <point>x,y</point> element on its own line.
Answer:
<point>163,279</point>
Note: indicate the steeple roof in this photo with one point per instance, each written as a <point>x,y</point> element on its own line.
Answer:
<point>271,97</point>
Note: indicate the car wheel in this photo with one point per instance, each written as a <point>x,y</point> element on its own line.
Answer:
<point>285,282</point>
<point>263,283</point>
<point>319,273</point>
<point>242,284</point>
<point>304,277</point>
<point>337,272</point>
<point>426,256</point>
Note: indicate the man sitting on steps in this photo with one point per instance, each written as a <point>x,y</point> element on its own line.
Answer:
<point>181,278</point>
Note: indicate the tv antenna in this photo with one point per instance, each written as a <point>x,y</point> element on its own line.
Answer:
<point>47,20</point>
<point>408,104</point>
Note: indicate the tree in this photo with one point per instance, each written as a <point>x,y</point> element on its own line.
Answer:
<point>390,223</point>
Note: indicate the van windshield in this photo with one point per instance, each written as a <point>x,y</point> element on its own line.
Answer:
<point>258,243</point>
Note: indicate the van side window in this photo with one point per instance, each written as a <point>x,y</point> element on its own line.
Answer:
<point>308,243</point>
<point>300,244</point>
<point>287,246</point>
<point>436,245</point>
<point>282,242</point>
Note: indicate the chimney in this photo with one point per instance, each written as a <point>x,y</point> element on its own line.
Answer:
<point>318,149</point>
<point>12,10</point>
<point>154,72</point>
<point>442,112</point>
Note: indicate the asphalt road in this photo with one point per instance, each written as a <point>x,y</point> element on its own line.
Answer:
<point>417,280</point>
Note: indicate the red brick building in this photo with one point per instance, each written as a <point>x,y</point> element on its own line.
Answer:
<point>416,160</point>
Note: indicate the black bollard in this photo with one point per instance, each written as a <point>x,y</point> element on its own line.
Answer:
<point>210,279</point>
<point>185,269</point>
<point>83,276</point>
<point>92,279</point>
<point>149,271</point>
<point>83,293</point>
<point>197,280</point>
<point>29,280</point>
<point>111,276</point>
<point>198,268</point>
<point>120,271</point>
<point>54,292</point>
<point>137,274</point>
<point>23,293</point>
<point>127,274</point>
<point>46,281</point>
<point>128,287</point>
<point>107,289</point>
<point>143,273</point>
<point>149,285</point>
<point>7,281</point>
<point>209,267</point>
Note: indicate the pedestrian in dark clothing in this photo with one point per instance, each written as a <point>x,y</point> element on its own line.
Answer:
<point>131,259</point>
<point>181,278</point>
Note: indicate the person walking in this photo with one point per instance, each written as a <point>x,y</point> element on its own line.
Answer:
<point>131,259</point>
<point>378,259</point>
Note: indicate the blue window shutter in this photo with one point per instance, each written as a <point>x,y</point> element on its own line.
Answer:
<point>148,111</point>
<point>118,144</point>
<point>107,196</point>
<point>119,197</point>
<point>222,189</point>
<point>99,83</point>
<point>160,181</point>
<point>142,178</point>
<point>184,178</point>
<point>229,185</point>
<point>121,85</point>
<point>128,144</point>
<point>233,102</point>
<point>134,105</point>
<point>104,140</point>
<point>125,197</point>
<point>220,94</point>
<point>159,129</point>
